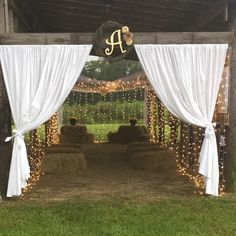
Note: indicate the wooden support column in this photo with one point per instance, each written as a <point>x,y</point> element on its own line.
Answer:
<point>11,21</point>
<point>231,129</point>
<point>5,116</point>
<point>230,162</point>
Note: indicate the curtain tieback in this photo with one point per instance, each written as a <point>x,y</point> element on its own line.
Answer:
<point>209,131</point>
<point>16,133</point>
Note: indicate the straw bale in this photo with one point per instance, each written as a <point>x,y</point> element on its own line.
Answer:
<point>68,145</point>
<point>73,130</point>
<point>63,150</point>
<point>144,147</point>
<point>159,160</point>
<point>63,163</point>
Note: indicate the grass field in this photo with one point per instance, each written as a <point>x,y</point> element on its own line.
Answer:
<point>101,130</point>
<point>183,217</point>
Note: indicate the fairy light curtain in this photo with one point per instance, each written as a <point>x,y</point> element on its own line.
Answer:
<point>38,79</point>
<point>103,113</point>
<point>186,78</point>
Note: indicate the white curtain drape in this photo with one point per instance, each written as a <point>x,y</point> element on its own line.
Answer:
<point>38,79</point>
<point>186,78</point>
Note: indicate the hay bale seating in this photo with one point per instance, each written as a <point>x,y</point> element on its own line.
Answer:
<point>75,134</point>
<point>145,149</point>
<point>151,156</point>
<point>63,150</point>
<point>66,145</point>
<point>64,159</point>
<point>127,134</point>
<point>64,163</point>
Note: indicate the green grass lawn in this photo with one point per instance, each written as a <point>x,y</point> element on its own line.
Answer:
<point>186,216</point>
<point>100,131</point>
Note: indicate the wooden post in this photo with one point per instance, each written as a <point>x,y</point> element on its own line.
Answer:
<point>230,163</point>
<point>11,21</point>
<point>231,131</point>
<point>5,117</point>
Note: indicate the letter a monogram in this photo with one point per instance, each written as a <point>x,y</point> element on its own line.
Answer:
<point>112,42</point>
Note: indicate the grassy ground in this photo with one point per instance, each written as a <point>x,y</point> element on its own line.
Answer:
<point>185,216</point>
<point>101,130</point>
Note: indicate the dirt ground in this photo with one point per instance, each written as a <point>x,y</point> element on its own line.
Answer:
<point>109,176</point>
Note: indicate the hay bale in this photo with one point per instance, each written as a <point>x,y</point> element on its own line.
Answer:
<point>65,149</point>
<point>127,134</point>
<point>75,134</point>
<point>158,160</point>
<point>67,145</point>
<point>144,147</point>
<point>67,139</point>
<point>73,130</point>
<point>141,144</point>
<point>62,163</point>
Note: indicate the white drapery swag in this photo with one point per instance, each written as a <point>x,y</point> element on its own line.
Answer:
<point>38,79</point>
<point>186,78</point>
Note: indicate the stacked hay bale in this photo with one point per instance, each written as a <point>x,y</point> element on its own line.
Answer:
<point>127,134</point>
<point>148,156</point>
<point>75,134</point>
<point>64,159</point>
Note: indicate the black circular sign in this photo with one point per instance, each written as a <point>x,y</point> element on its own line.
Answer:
<point>113,41</point>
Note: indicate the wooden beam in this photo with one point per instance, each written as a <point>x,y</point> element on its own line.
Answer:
<point>68,15</point>
<point>23,11</point>
<point>18,12</point>
<point>91,22</point>
<point>2,18</point>
<point>6,11</point>
<point>84,8</point>
<point>11,21</point>
<point>37,27</point>
<point>216,9</point>
<point>139,38</point>
<point>156,5</point>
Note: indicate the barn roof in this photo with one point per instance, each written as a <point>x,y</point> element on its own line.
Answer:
<point>139,15</point>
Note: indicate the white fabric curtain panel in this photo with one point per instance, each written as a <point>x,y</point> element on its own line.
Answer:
<point>186,78</point>
<point>38,79</point>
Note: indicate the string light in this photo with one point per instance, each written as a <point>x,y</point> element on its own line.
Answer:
<point>152,116</point>
<point>109,108</point>
<point>89,85</point>
<point>188,152</point>
<point>36,152</point>
<point>174,131</point>
<point>52,130</point>
<point>161,123</point>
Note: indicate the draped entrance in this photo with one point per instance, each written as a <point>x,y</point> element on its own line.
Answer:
<point>38,79</point>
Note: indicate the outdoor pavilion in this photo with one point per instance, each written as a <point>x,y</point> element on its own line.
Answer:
<point>36,16</point>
